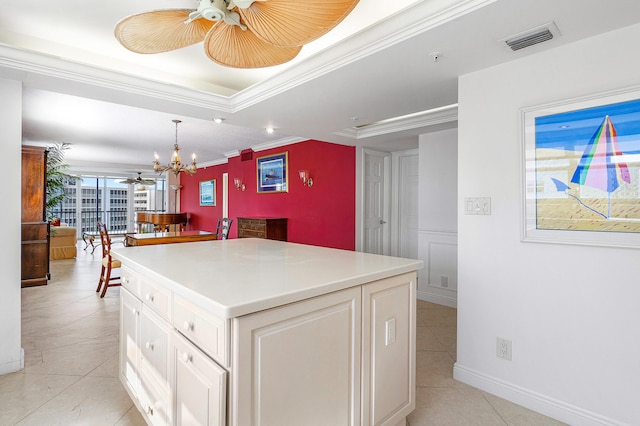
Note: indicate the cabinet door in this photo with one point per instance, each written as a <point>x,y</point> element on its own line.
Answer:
<point>299,364</point>
<point>389,348</point>
<point>130,308</point>
<point>200,386</point>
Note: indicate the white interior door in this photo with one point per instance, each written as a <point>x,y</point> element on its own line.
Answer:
<point>405,223</point>
<point>376,229</point>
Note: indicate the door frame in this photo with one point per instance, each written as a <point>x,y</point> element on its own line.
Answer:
<point>361,153</point>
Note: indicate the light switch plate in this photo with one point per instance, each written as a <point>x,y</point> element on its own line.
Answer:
<point>477,205</point>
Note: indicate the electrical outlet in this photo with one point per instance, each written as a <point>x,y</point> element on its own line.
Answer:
<point>503,348</point>
<point>444,281</point>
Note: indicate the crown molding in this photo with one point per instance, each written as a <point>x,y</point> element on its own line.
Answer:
<point>403,25</point>
<point>446,114</point>
<point>30,63</point>
<point>278,143</point>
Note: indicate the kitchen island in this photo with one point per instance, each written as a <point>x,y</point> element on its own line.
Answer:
<point>262,332</point>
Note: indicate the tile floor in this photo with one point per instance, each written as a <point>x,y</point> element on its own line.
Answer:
<point>70,339</point>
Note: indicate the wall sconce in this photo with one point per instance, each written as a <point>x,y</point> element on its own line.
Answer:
<point>305,178</point>
<point>238,183</point>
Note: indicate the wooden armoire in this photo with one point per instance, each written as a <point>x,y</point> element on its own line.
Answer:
<point>35,227</point>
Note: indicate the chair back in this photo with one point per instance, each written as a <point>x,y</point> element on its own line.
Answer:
<point>105,240</point>
<point>222,229</point>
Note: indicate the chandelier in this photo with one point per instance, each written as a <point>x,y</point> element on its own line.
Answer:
<point>176,166</point>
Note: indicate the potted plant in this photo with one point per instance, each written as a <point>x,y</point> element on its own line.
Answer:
<point>57,177</point>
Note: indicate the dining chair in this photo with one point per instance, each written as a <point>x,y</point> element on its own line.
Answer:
<point>108,263</point>
<point>222,229</point>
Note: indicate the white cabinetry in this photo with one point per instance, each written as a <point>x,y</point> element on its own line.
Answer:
<point>299,364</point>
<point>346,357</point>
<point>388,350</point>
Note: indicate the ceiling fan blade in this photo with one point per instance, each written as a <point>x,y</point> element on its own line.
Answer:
<point>160,31</point>
<point>230,46</point>
<point>289,23</point>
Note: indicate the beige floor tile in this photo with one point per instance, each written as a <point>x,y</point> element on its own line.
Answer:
<point>435,369</point>
<point>453,407</point>
<point>446,317</point>
<point>447,338</point>
<point>89,401</point>
<point>515,415</point>
<point>21,394</point>
<point>109,368</point>
<point>78,359</point>
<point>427,340</point>
<point>131,418</point>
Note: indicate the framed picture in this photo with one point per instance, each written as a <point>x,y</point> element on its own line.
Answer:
<point>272,171</point>
<point>582,171</point>
<point>208,192</point>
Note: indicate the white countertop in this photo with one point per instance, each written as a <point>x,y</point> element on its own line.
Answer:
<point>236,277</point>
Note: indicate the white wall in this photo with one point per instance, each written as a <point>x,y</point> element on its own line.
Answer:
<point>11,355</point>
<point>437,225</point>
<point>572,312</point>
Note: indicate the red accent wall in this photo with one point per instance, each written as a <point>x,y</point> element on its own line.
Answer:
<point>323,215</point>
<point>202,218</point>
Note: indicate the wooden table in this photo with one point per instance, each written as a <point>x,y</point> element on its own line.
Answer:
<point>168,237</point>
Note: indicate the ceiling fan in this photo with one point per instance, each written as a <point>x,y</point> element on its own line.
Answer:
<point>236,33</point>
<point>139,180</point>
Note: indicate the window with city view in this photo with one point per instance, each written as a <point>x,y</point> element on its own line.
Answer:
<point>91,199</point>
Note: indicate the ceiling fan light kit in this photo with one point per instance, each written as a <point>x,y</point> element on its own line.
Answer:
<point>236,33</point>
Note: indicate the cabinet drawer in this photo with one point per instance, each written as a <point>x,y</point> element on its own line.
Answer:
<point>250,233</point>
<point>154,344</point>
<point>207,331</point>
<point>154,296</point>
<point>130,281</point>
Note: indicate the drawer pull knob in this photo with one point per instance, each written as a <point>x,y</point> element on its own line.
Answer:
<point>149,345</point>
<point>134,311</point>
<point>149,410</point>
<point>186,357</point>
<point>188,325</point>
<point>149,297</point>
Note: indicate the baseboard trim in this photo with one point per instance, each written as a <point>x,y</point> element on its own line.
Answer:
<point>543,404</point>
<point>438,299</point>
<point>13,366</point>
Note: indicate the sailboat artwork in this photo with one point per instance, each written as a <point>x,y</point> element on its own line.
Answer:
<point>587,169</point>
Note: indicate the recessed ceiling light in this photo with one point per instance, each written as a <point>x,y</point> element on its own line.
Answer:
<point>218,119</point>
<point>270,130</point>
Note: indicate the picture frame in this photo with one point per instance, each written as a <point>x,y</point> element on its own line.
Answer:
<point>272,173</point>
<point>581,170</point>
<point>208,193</point>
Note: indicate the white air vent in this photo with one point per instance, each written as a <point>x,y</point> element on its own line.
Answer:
<point>532,36</point>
